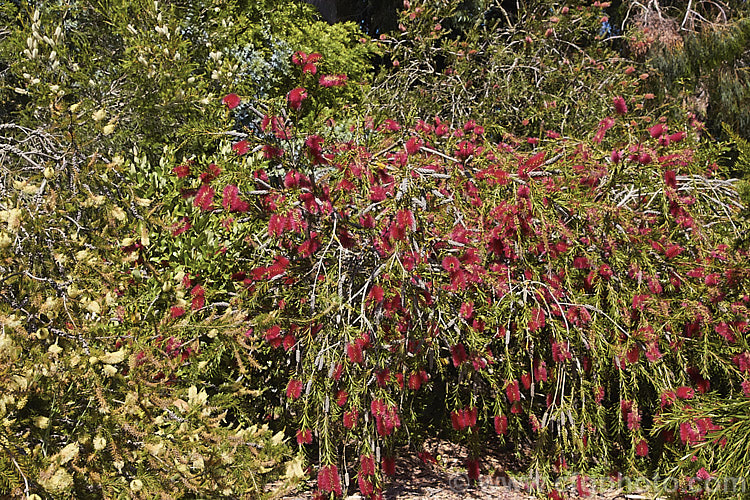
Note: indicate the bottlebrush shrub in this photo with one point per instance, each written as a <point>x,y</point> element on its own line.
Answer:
<point>425,278</point>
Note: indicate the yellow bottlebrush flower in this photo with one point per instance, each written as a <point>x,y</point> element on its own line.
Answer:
<point>118,213</point>
<point>70,452</point>
<point>112,358</point>
<point>41,422</point>
<point>99,443</point>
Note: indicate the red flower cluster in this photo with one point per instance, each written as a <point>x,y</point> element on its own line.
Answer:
<point>329,480</point>
<point>307,61</point>
<point>386,417</point>
<point>295,98</point>
<point>294,389</point>
<point>463,418</point>
<point>304,436</point>
<point>231,100</point>
<point>232,201</point>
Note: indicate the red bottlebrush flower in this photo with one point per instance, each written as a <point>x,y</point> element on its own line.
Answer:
<point>746,388</point>
<point>314,58</point>
<point>458,353</point>
<point>405,218</point>
<point>599,394</point>
<point>653,353</point>
<point>271,152</point>
<point>451,264</point>
<point>350,418</point>
<point>273,336</point>
<point>501,424</point>
<point>472,467</point>
<point>383,377</point>
<point>581,263</point>
<point>278,267</point>
<point>560,352</point>
<point>604,125</point>
<point>341,397</point>
<point>299,58</point>
<point>670,179</point>
<point>391,125</point>
<point>634,353</point>
<point>181,227</point>
<point>644,158</point>
<point>415,381</point>
<point>308,247</point>
<point>181,171</point>
<point>366,465</point>
<point>198,302</point>
<point>365,486</point>
<point>354,353</point>
<point>309,68</point>
<point>620,107</point>
<point>457,420</point>
<point>211,173</point>
<point>241,147</point>
<point>534,422</point>
<point>427,458</point>
<point>685,392</point>
<point>289,341</point>
<point>388,464</point>
<point>295,98</point>
<point>703,474</point>
<point>204,197</point>
<point>526,381</point>
<point>688,433</point>
<point>177,311</point>
<point>332,80</point>
<point>538,319</point>
<point>231,100</point>
<point>723,330</point>
<point>605,272</point>
<point>294,389</point>
<point>634,420</point>
<point>554,495</point>
<point>657,130</point>
<point>304,436</point>
<point>413,145</point>
<point>712,279</point>
<point>467,310</point>
<point>673,251</point>
<point>513,392</point>
<point>338,371</point>
<point>232,200</point>
<point>376,293</point>
<point>540,370</point>
<point>641,449</point>
<point>677,137</point>
<point>329,480</point>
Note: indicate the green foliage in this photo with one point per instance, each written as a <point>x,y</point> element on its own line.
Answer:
<point>702,59</point>
<point>523,76</point>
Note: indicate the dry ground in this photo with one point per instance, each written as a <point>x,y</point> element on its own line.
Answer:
<point>447,480</point>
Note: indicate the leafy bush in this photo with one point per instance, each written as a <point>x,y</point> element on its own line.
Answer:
<point>568,293</point>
